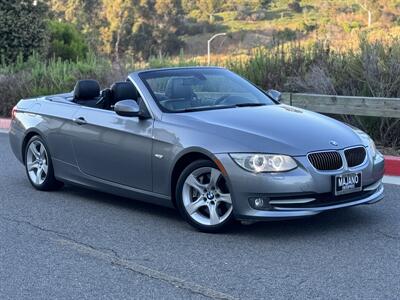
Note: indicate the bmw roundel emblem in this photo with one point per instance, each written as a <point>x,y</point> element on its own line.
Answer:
<point>333,143</point>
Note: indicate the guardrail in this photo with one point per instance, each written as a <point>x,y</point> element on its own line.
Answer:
<point>345,105</point>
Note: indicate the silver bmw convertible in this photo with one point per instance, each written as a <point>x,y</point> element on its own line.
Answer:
<point>203,140</point>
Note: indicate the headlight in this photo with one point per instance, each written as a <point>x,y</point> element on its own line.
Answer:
<point>372,148</point>
<point>264,162</point>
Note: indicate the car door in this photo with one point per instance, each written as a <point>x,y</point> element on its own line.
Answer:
<point>113,148</point>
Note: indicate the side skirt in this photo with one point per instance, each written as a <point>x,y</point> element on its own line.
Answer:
<point>71,174</point>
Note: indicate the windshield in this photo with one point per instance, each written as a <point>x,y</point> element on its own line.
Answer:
<point>182,90</point>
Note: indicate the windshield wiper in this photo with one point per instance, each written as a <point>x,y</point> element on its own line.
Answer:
<point>249,104</point>
<point>200,108</point>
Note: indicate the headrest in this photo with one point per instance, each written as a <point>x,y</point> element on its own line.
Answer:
<point>86,89</point>
<point>124,90</point>
<point>176,89</point>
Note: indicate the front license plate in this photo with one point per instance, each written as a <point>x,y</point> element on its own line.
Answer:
<point>347,183</point>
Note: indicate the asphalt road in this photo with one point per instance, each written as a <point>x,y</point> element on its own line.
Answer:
<point>81,244</point>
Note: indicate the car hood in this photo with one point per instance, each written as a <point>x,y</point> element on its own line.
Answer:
<point>273,129</point>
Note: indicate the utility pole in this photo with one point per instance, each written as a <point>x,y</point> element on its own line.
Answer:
<point>209,47</point>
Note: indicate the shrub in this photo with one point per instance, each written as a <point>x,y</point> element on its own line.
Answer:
<point>246,13</point>
<point>193,28</point>
<point>350,26</point>
<point>285,35</point>
<point>308,26</point>
<point>165,61</point>
<point>36,77</point>
<point>66,42</point>
<point>295,6</point>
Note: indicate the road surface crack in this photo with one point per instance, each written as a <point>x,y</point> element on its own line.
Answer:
<point>58,233</point>
<point>390,236</point>
<point>111,256</point>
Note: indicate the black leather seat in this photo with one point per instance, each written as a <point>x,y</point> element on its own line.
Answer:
<point>179,95</point>
<point>123,90</point>
<point>176,89</point>
<point>87,92</point>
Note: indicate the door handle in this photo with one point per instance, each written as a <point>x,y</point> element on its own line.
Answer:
<point>80,121</point>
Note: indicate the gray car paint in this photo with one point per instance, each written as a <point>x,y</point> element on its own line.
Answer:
<point>135,158</point>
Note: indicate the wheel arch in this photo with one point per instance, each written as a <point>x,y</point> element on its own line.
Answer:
<point>183,160</point>
<point>30,134</point>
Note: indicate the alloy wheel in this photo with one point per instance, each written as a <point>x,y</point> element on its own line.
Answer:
<point>206,197</point>
<point>37,163</point>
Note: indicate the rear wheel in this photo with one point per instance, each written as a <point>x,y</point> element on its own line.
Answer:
<point>39,167</point>
<point>203,197</point>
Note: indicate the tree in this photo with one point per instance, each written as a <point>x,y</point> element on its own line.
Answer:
<point>84,14</point>
<point>166,25</point>
<point>188,6</point>
<point>367,6</point>
<point>22,28</point>
<point>79,12</point>
<point>119,19</point>
<point>156,28</point>
<point>66,42</point>
<point>209,7</point>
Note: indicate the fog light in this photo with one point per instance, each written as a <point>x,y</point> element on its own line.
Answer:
<point>259,202</point>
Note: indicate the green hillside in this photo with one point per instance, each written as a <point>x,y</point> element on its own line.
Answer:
<point>337,22</point>
<point>142,29</point>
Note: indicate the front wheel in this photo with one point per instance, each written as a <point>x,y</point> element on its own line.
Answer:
<point>39,167</point>
<point>203,197</point>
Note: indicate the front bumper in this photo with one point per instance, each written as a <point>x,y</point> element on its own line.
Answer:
<point>298,193</point>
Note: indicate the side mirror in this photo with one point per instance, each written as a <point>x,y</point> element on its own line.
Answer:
<point>127,108</point>
<point>274,94</point>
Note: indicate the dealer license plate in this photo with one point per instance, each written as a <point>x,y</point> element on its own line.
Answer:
<point>347,183</point>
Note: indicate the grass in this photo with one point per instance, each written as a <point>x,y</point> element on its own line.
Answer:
<point>273,21</point>
<point>38,77</point>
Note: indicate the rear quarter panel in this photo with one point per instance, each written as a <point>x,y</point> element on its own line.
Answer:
<point>47,119</point>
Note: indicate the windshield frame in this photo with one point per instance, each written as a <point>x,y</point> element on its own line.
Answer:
<point>144,75</point>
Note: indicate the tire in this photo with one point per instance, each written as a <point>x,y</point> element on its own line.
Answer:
<point>39,166</point>
<point>203,198</point>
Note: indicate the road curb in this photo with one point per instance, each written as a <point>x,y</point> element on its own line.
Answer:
<point>391,179</point>
<point>392,163</point>
<point>5,123</point>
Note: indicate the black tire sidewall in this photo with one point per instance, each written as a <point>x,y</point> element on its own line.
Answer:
<point>50,183</point>
<point>179,201</point>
